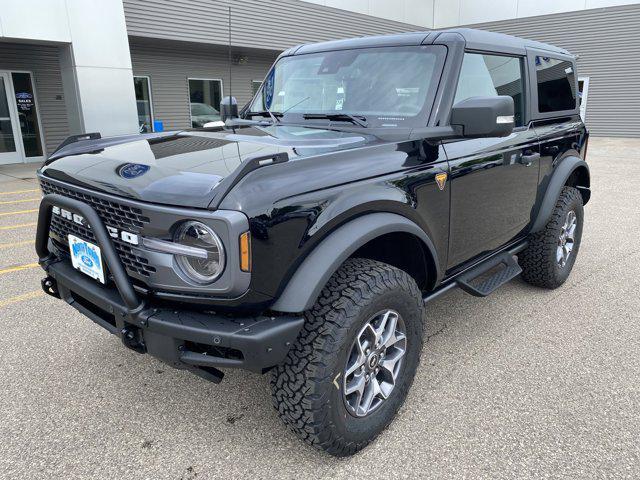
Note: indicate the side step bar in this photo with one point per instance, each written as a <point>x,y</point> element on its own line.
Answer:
<point>508,269</point>
<point>504,263</point>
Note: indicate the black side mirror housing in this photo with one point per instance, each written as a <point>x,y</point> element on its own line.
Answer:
<point>228,108</point>
<point>480,117</point>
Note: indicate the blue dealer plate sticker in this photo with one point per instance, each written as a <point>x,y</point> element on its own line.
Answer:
<point>86,257</point>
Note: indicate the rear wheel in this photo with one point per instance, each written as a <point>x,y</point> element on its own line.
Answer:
<point>548,259</point>
<point>353,363</point>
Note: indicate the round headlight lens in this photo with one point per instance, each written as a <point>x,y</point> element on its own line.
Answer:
<point>198,235</point>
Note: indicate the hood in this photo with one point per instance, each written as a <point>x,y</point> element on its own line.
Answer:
<point>184,168</point>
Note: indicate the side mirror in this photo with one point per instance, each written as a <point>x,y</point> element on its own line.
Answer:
<point>484,116</point>
<point>228,108</point>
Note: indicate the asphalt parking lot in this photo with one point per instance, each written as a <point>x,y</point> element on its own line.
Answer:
<point>524,383</point>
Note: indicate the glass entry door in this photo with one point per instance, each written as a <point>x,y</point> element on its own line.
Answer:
<point>20,133</point>
<point>9,136</point>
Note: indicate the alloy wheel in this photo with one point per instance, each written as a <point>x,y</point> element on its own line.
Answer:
<point>566,240</point>
<point>374,363</point>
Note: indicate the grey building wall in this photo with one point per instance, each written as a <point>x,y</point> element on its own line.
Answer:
<point>265,24</point>
<point>43,61</point>
<point>607,42</point>
<point>169,64</point>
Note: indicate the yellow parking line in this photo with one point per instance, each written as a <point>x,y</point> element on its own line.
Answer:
<point>21,298</point>
<point>18,268</point>
<point>19,212</point>
<point>16,244</point>
<point>11,202</point>
<point>13,227</point>
<point>15,192</point>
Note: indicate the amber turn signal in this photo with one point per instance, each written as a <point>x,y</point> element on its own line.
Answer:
<point>245,252</point>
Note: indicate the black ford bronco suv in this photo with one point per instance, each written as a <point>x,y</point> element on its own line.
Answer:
<point>305,236</point>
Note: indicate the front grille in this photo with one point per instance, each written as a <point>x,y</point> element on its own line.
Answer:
<point>111,213</point>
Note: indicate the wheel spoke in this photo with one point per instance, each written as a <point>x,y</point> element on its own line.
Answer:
<point>359,358</point>
<point>371,391</point>
<point>394,338</point>
<point>389,363</point>
<point>355,385</point>
<point>387,327</point>
<point>356,365</point>
<point>373,337</point>
<point>367,399</point>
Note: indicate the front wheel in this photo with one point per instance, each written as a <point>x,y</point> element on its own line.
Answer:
<point>353,363</point>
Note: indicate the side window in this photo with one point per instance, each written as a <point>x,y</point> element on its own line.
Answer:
<point>556,84</point>
<point>492,75</point>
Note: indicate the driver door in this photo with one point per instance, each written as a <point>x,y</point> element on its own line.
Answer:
<point>493,180</point>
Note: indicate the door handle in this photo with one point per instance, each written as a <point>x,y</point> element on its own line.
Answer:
<point>527,160</point>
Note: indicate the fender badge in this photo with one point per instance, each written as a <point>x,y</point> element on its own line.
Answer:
<point>441,179</point>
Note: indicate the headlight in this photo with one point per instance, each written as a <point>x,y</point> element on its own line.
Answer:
<point>198,235</point>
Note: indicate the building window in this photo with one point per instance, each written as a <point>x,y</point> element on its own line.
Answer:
<point>255,86</point>
<point>142,87</point>
<point>492,75</point>
<point>204,97</point>
<point>556,84</point>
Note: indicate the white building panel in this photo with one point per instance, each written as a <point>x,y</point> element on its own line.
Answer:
<point>99,34</point>
<point>446,13</point>
<point>386,9</point>
<point>44,20</point>
<point>532,8</point>
<point>473,11</point>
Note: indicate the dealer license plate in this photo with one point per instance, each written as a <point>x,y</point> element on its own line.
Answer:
<point>86,257</point>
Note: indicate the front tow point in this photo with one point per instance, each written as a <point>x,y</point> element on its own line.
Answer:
<point>132,338</point>
<point>50,286</point>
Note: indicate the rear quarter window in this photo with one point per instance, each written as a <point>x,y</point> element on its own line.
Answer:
<point>556,84</point>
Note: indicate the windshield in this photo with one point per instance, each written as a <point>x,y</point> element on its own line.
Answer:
<point>389,86</point>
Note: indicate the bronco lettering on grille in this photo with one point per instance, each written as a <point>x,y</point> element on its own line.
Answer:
<point>127,237</point>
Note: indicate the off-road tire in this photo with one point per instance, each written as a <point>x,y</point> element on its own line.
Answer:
<point>538,260</point>
<point>307,387</point>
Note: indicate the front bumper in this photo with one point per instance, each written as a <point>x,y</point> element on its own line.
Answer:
<point>194,340</point>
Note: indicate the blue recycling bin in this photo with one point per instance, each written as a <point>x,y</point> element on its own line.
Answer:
<point>158,126</point>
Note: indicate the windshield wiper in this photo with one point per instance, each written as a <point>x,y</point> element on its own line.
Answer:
<point>264,113</point>
<point>344,117</point>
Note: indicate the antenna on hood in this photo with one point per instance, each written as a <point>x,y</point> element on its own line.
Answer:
<point>229,108</point>
<point>230,57</point>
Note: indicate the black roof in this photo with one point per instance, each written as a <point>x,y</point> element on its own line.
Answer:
<point>475,40</point>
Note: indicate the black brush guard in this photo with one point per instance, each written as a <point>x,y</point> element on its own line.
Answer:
<point>201,342</point>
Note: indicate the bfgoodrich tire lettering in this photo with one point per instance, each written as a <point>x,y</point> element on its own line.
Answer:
<point>539,261</point>
<point>308,387</point>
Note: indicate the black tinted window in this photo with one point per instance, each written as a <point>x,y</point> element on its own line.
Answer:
<point>492,75</point>
<point>556,84</point>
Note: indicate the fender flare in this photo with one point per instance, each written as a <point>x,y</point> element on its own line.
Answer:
<point>558,180</point>
<point>304,287</point>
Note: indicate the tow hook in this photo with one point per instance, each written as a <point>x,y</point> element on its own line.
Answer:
<point>132,338</point>
<point>50,286</point>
